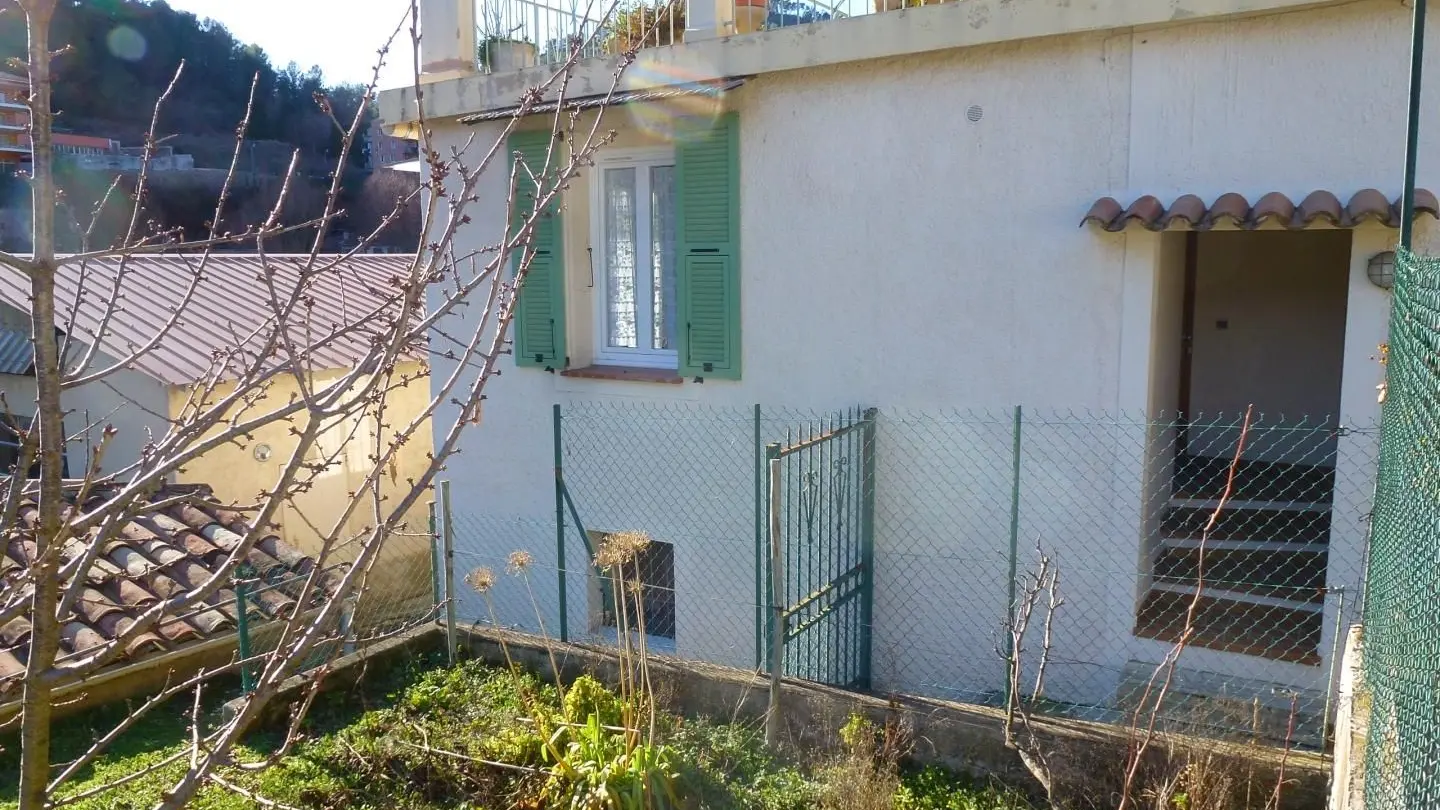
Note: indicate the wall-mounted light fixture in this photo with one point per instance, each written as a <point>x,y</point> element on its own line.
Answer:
<point>262,452</point>
<point>1381,270</point>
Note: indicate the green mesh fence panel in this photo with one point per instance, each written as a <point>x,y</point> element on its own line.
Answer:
<point>1402,610</point>
<point>962,498</point>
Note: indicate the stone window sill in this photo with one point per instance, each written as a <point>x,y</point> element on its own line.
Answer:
<point>625,373</point>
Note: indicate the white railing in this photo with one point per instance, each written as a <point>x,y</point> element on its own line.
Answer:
<point>514,34</point>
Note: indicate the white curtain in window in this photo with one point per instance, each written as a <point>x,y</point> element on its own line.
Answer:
<point>620,249</point>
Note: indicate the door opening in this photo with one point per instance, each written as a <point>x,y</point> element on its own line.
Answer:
<point>1261,324</point>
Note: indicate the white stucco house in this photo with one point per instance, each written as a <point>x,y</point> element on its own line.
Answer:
<point>1119,214</point>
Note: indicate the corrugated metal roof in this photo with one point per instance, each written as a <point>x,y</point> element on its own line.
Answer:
<point>620,97</point>
<point>230,304</point>
<point>1189,211</point>
<point>17,355</point>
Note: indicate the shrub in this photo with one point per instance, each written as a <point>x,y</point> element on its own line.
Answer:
<point>602,769</point>
<point>726,766</point>
<point>936,788</point>
<point>586,697</point>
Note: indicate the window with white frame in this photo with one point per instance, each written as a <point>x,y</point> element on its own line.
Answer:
<point>633,231</point>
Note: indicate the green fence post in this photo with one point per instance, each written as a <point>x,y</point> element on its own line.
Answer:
<point>867,542</point>
<point>1412,127</point>
<point>1014,548</point>
<point>242,627</point>
<point>560,526</point>
<point>759,544</point>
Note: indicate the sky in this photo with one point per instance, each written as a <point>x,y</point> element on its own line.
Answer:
<point>341,36</point>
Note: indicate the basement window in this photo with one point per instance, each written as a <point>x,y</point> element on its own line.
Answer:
<point>656,603</point>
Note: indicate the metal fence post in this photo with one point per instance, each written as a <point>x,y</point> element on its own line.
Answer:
<point>1334,663</point>
<point>560,526</point>
<point>437,566</point>
<point>759,544</point>
<point>448,538</point>
<point>867,543</point>
<point>773,722</point>
<point>1010,651</point>
<point>1412,124</point>
<point>242,627</point>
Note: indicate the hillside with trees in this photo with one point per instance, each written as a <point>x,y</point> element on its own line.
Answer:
<point>121,55</point>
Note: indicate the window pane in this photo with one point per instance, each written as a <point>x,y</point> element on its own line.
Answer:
<point>620,248</point>
<point>655,567</point>
<point>662,253</point>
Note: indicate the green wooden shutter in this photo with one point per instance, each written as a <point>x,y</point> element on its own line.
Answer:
<point>539,326</point>
<point>707,176</point>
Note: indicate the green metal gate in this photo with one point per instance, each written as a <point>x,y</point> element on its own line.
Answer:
<point>819,520</point>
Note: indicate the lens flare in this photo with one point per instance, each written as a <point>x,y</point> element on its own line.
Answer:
<point>674,117</point>
<point>126,43</point>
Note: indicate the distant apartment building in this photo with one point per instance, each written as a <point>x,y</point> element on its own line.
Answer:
<point>67,144</point>
<point>89,152</point>
<point>14,123</point>
<point>14,158</point>
<point>384,151</point>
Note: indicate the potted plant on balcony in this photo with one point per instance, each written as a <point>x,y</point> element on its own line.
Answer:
<point>500,49</point>
<point>646,25</point>
<point>891,5</point>
<point>499,53</point>
<point>750,15</point>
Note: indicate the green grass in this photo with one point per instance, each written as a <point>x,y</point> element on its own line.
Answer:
<point>376,747</point>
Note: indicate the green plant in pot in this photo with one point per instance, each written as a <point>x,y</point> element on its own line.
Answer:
<point>498,53</point>
<point>646,25</point>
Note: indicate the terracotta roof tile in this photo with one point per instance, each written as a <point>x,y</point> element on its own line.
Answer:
<point>1322,205</point>
<point>10,667</point>
<point>1189,208</point>
<point>169,552</point>
<point>1232,209</point>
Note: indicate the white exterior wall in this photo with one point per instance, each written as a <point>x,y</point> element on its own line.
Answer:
<point>135,404</point>
<point>894,253</point>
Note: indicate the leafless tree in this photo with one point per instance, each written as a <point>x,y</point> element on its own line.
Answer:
<point>377,200</point>
<point>73,520</point>
<point>1039,589</point>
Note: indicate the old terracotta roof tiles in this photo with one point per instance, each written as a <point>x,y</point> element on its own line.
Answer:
<point>1233,210</point>
<point>168,552</point>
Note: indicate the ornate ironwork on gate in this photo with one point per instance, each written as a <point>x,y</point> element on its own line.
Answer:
<point>820,505</point>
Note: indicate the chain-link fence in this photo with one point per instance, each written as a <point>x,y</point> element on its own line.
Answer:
<point>1402,609</point>
<point>906,540</point>
<point>397,593</point>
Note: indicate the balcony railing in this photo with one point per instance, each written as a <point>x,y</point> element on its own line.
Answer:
<point>515,34</point>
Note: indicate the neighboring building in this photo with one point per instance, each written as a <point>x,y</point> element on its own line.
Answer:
<point>104,154</point>
<point>70,145</point>
<point>14,159</point>
<point>14,123</point>
<point>1100,211</point>
<point>131,400</point>
<point>384,150</point>
<point>140,400</point>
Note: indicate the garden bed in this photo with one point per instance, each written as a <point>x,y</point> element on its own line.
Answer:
<point>414,734</point>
